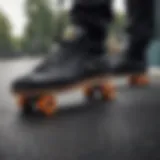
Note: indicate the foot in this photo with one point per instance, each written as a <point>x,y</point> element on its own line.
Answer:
<point>74,62</point>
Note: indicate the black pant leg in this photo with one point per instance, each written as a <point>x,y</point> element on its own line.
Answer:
<point>93,15</point>
<point>140,27</point>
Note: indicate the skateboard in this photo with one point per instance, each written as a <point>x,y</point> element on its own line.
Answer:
<point>46,102</point>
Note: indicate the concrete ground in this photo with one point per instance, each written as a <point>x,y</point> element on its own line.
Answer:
<point>127,128</point>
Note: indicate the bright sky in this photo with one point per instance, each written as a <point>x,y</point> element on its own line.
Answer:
<point>14,10</point>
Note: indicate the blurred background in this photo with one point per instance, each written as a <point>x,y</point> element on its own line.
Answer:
<point>126,129</point>
<point>34,27</point>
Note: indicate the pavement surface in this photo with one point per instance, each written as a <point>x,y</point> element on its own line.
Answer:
<point>127,128</point>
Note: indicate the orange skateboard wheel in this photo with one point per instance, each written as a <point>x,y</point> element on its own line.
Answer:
<point>139,80</point>
<point>108,91</point>
<point>105,91</point>
<point>47,105</point>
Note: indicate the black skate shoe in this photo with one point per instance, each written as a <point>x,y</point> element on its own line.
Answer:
<point>77,63</point>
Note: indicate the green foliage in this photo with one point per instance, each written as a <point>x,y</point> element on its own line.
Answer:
<point>46,24</point>
<point>39,30</point>
<point>5,34</point>
<point>17,43</point>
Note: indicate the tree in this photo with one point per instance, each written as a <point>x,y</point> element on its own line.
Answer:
<point>17,43</point>
<point>39,30</point>
<point>5,34</point>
